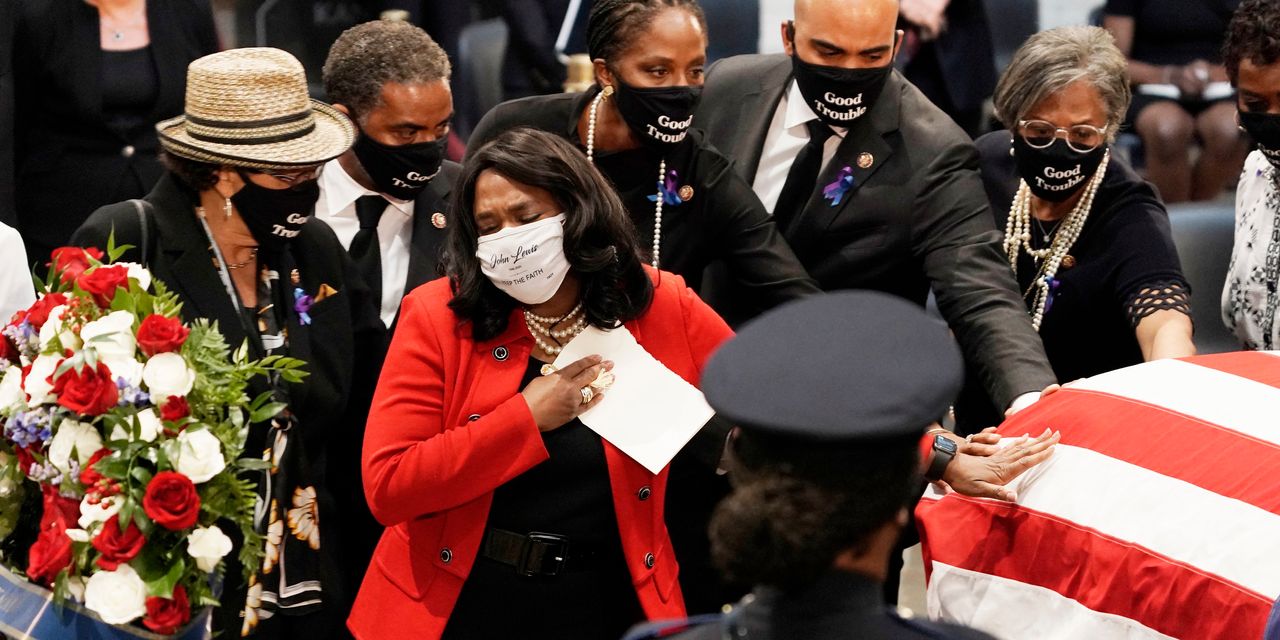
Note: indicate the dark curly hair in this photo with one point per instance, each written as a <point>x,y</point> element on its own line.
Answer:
<point>793,509</point>
<point>370,55</point>
<point>599,239</point>
<point>193,174</point>
<point>613,25</point>
<point>1254,35</point>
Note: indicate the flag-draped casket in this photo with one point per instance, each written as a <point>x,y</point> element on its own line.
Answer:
<point>1157,516</point>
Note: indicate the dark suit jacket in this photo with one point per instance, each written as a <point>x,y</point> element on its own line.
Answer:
<point>427,247</point>
<point>335,346</point>
<point>69,162</point>
<point>916,217</point>
<point>963,65</point>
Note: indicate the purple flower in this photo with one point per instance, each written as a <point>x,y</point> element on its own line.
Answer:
<point>28,428</point>
<point>24,337</point>
<point>835,191</point>
<point>302,303</point>
<point>131,395</point>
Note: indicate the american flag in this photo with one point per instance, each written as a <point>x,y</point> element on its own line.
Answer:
<point>1158,515</point>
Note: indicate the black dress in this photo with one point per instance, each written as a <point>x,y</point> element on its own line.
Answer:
<point>569,495</point>
<point>722,219</point>
<point>1124,250</point>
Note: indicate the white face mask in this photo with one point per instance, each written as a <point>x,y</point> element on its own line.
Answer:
<point>526,262</point>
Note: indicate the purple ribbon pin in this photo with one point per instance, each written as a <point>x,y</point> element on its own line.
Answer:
<point>835,191</point>
<point>302,303</point>
<point>1053,292</point>
<point>670,191</point>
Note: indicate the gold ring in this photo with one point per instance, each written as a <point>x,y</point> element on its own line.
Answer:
<point>587,395</point>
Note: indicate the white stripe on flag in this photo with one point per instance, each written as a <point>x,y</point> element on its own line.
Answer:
<point>1196,391</point>
<point>1014,610</point>
<point>1223,536</point>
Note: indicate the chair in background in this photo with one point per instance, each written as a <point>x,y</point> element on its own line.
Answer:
<point>477,81</point>
<point>1203,233</point>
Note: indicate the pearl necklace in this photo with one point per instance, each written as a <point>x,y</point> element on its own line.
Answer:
<point>1017,237</point>
<point>662,172</point>
<point>541,326</point>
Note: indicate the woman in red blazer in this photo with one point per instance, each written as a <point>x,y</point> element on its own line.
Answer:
<point>505,515</point>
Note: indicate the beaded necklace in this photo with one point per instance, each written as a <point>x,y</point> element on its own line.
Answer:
<point>1017,237</point>
<point>541,327</point>
<point>662,171</point>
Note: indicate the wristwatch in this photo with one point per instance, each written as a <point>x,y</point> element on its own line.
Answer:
<point>944,449</point>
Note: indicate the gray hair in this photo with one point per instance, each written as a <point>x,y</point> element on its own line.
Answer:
<point>370,55</point>
<point>1051,60</point>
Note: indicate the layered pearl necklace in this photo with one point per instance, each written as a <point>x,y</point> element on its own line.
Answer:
<point>551,340</point>
<point>662,171</point>
<point>1017,237</point>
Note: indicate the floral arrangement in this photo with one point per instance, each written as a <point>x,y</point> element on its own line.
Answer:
<point>124,427</point>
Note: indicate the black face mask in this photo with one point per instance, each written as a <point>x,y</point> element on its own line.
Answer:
<point>660,116</point>
<point>400,172</point>
<point>1057,171</point>
<point>275,216</point>
<point>1264,128</point>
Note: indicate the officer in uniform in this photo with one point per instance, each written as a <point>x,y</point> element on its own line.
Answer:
<point>832,395</point>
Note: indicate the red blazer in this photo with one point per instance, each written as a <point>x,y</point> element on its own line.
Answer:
<point>448,426</point>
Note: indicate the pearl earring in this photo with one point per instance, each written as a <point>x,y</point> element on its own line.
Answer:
<point>608,90</point>
<point>226,207</point>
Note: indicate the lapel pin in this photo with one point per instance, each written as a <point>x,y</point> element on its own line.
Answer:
<point>438,220</point>
<point>1068,261</point>
<point>324,292</point>
<point>686,193</point>
<point>865,160</point>
<point>294,278</point>
<point>834,192</point>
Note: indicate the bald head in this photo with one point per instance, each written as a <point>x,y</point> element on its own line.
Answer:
<point>853,34</point>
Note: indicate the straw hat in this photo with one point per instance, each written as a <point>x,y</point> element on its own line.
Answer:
<point>250,108</point>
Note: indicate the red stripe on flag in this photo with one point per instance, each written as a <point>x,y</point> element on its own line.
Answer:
<point>1161,440</point>
<point>1100,572</point>
<point>1252,365</point>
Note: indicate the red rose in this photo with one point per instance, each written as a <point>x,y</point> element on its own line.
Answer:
<point>50,554</point>
<point>89,392</point>
<point>70,262</point>
<point>174,409</point>
<point>117,547</point>
<point>25,459</point>
<point>103,282</point>
<point>38,314</point>
<point>165,615</point>
<point>171,500</point>
<point>64,511</point>
<point>158,334</point>
<point>90,476</point>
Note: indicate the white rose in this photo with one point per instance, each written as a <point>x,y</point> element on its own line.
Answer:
<point>167,374</point>
<point>208,545</point>
<point>77,535</point>
<point>38,385</point>
<point>118,597</point>
<point>55,327</point>
<point>149,427</point>
<point>91,514</point>
<point>111,336</point>
<point>137,272</point>
<point>127,368</point>
<point>71,436</point>
<point>197,455</point>
<point>11,394</point>
<point>75,587</point>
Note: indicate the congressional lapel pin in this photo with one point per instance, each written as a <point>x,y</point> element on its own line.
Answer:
<point>1068,261</point>
<point>686,193</point>
<point>294,278</point>
<point>834,192</point>
<point>438,220</point>
<point>865,160</point>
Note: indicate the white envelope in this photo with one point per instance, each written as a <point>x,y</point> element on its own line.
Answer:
<point>649,413</point>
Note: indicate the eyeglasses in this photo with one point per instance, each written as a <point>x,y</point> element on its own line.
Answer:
<point>1082,138</point>
<point>296,176</point>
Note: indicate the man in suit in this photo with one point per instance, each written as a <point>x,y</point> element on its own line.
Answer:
<point>873,186</point>
<point>386,200</point>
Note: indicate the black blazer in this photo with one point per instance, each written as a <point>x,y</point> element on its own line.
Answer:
<point>916,218</point>
<point>723,220</point>
<point>428,243</point>
<point>69,162</point>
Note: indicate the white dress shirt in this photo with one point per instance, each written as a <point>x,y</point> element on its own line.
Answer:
<point>17,292</point>
<point>1249,306</point>
<point>786,137</point>
<point>337,208</point>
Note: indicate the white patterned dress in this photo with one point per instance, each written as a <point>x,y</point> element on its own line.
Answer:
<point>1249,297</point>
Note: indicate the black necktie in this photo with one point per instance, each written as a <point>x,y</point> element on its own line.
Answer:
<point>364,246</point>
<point>803,177</point>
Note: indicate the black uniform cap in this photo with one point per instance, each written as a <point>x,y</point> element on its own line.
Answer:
<point>839,368</point>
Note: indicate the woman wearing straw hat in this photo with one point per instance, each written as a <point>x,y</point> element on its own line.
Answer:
<point>227,228</point>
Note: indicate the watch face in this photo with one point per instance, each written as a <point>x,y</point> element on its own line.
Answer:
<point>945,444</point>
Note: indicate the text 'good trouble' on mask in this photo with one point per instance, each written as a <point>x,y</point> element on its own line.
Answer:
<point>660,116</point>
<point>526,262</point>
<point>1264,128</point>
<point>275,216</point>
<point>1056,172</point>
<point>838,96</point>
<point>401,171</point>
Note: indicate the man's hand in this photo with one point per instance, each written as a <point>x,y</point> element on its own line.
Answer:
<point>984,475</point>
